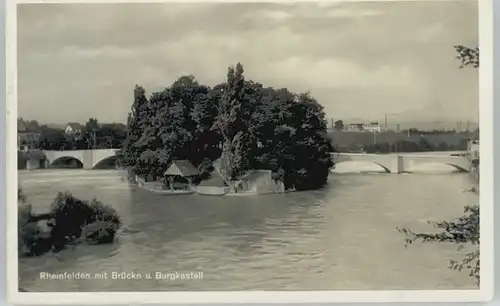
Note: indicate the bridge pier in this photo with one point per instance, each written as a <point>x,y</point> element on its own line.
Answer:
<point>88,159</point>
<point>397,165</point>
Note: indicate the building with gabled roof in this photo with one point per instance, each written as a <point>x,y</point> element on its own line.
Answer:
<point>73,128</point>
<point>180,169</point>
<point>183,168</point>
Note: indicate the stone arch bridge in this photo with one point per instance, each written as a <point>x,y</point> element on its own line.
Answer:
<point>391,163</point>
<point>401,163</point>
<point>89,159</point>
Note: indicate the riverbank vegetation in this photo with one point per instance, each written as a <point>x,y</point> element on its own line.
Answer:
<point>393,142</point>
<point>423,145</point>
<point>70,221</point>
<point>464,230</point>
<point>93,135</point>
<point>247,124</point>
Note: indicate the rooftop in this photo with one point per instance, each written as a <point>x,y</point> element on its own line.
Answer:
<point>182,168</point>
<point>75,125</point>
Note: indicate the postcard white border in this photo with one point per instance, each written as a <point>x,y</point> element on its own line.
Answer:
<point>486,199</point>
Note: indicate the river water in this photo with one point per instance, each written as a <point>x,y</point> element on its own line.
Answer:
<point>342,237</point>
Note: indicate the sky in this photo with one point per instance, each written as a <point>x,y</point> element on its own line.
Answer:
<point>359,60</point>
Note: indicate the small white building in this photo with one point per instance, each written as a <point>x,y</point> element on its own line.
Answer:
<point>258,182</point>
<point>73,128</point>
<point>215,185</point>
<point>373,127</point>
<point>354,127</point>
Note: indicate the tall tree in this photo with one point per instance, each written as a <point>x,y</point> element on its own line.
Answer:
<point>229,121</point>
<point>90,130</point>
<point>91,125</point>
<point>339,125</point>
<point>206,138</point>
<point>138,120</point>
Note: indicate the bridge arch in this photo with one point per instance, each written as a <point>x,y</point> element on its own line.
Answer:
<point>385,168</point>
<point>66,162</point>
<point>456,163</point>
<point>89,158</point>
<point>106,163</point>
<point>459,168</point>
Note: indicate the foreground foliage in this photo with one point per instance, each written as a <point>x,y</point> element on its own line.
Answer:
<point>462,231</point>
<point>69,221</point>
<point>27,232</point>
<point>250,126</point>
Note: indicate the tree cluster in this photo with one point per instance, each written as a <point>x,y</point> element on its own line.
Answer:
<point>240,122</point>
<point>97,135</point>
<point>423,145</point>
<point>414,131</point>
<point>93,136</point>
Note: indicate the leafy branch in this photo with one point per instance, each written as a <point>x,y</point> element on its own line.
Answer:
<point>468,56</point>
<point>464,230</point>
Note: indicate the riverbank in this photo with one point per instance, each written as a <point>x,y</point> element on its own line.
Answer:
<point>252,183</point>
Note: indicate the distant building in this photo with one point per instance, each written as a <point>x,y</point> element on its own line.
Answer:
<point>73,128</point>
<point>373,127</point>
<point>27,135</point>
<point>353,127</point>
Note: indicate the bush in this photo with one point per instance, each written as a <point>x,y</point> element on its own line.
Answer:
<point>70,221</point>
<point>27,233</point>
<point>205,168</point>
<point>71,216</point>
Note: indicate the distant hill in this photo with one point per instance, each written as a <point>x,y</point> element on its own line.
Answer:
<point>55,126</point>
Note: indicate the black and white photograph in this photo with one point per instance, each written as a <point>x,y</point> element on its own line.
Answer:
<point>248,147</point>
